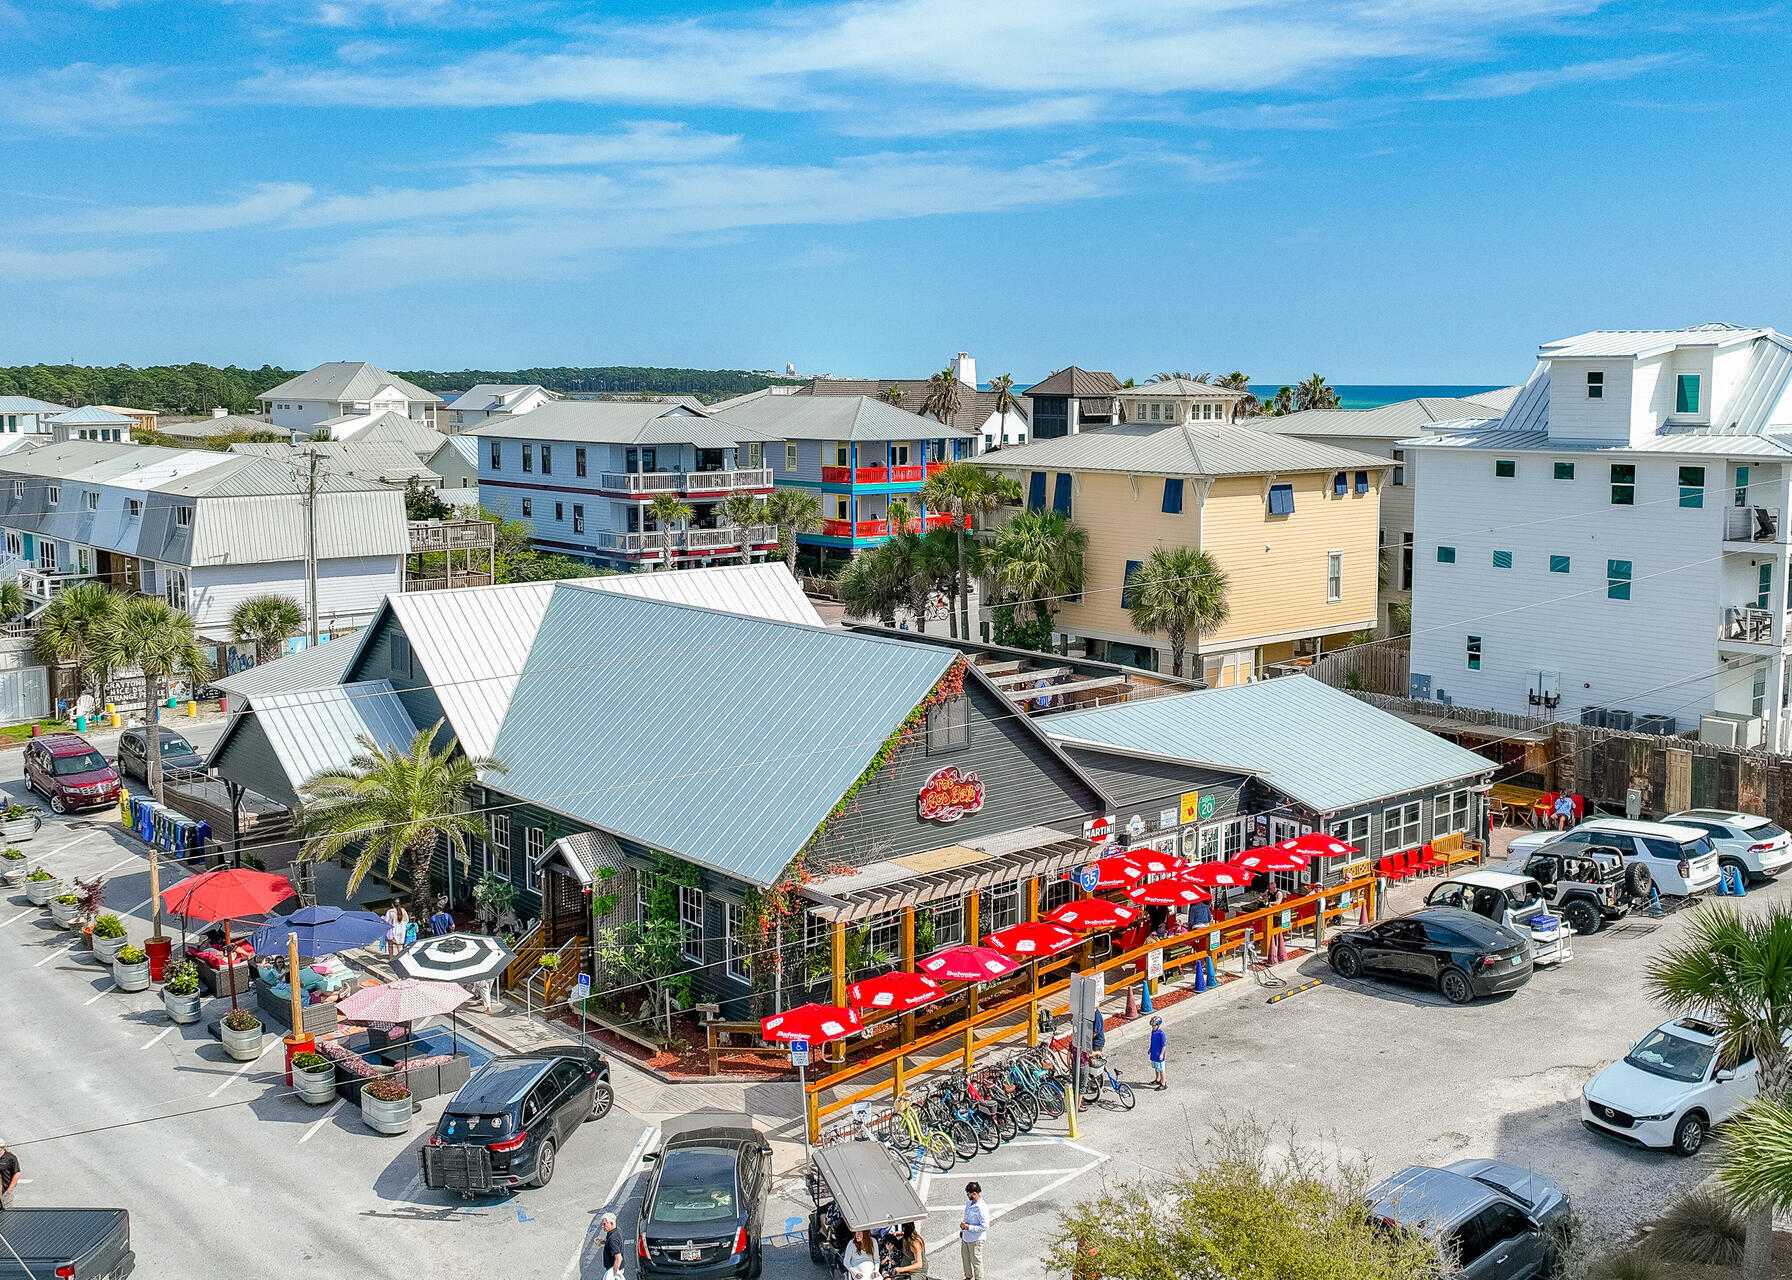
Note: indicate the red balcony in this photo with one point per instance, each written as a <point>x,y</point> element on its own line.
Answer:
<point>870,475</point>
<point>881,528</point>
<point>902,474</point>
<point>933,468</point>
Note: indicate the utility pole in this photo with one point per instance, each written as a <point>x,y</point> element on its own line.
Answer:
<point>311,544</point>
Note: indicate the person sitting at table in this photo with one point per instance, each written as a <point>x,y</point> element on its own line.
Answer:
<point>1564,811</point>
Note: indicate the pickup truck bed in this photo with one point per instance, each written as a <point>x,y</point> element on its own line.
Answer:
<point>93,1244</point>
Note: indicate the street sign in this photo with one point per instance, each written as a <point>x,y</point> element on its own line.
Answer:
<point>581,990</point>
<point>1089,877</point>
<point>799,1053</point>
<point>1154,963</point>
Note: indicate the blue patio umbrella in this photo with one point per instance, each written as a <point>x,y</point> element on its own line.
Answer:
<point>319,931</point>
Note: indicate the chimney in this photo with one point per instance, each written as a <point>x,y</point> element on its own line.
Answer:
<point>964,368</point>
<point>220,413</point>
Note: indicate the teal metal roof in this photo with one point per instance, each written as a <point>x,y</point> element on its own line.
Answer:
<point>1313,743</point>
<point>722,739</point>
<point>317,729</point>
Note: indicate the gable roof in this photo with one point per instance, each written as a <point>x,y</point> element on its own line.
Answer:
<point>1313,743</point>
<point>1147,449</point>
<point>1177,387</point>
<point>1387,422</point>
<point>313,667</point>
<point>1073,381</point>
<point>393,429</point>
<point>975,407</point>
<point>764,590</point>
<point>836,418</point>
<point>316,729</point>
<point>210,428</point>
<point>1499,398</point>
<point>346,380</point>
<point>493,396</point>
<point>617,422</point>
<point>91,416</point>
<point>367,460</point>
<point>25,404</point>
<point>1635,344</point>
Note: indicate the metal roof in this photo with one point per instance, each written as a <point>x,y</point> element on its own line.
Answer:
<point>90,416</point>
<point>975,407</point>
<point>913,880</point>
<point>1486,434</point>
<point>1072,381</point>
<point>493,396</point>
<point>1219,450</point>
<point>206,428</point>
<point>1634,344</point>
<point>395,429</point>
<point>1389,421</point>
<point>1177,387</point>
<point>767,590</point>
<point>700,706</point>
<point>585,854</point>
<point>313,667</point>
<point>346,380</point>
<point>831,417</point>
<point>616,422</point>
<point>1313,743</point>
<point>316,729</point>
<point>25,404</point>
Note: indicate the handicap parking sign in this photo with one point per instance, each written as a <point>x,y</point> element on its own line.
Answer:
<point>799,1053</point>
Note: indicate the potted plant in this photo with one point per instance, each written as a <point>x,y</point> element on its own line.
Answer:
<point>493,898</point>
<point>108,937</point>
<point>90,896</point>
<point>130,969</point>
<point>64,908</point>
<point>41,886</point>
<point>12,866</point>
<point>18,823</point>
<point>314,1076</point>
<point>550,962</point>
<point>180,994</point>
<point>386,1105</point>
<point>241,1033</point>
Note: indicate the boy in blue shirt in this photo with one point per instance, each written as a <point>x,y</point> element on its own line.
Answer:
<point>1159,1042</point>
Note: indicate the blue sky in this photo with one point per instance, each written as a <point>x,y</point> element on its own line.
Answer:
<point>1383,190</point>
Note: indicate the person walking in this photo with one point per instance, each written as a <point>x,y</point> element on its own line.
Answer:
<point>396,919</point>
<point>9,1176</point>
<point>612,1248</point>
<point>1159,1042</point>
<point>971,1230</point>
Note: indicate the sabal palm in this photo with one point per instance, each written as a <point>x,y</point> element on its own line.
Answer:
<point>668,510</point>
<point>876,583</point>
<point>158,640</point>
<point>12,600</point>
<point>1178,591</point>
<point>963,491</point>
<point>1037,558</point>
<point>1002,387</point>
<point>896,519</point>
<point>1312,393</point>
<point>1283,401</point>
<point>70,629</point>
<point>742,511</point>
<point>265,621</point>
<point>942,395</point>
<point>1250,406</point>
<point>892,394</point>
<point>793,511</point>
<point>1757,1172</point>
<point>393,806</point>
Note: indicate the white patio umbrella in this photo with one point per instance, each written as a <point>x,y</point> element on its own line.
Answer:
<point>454,957</point>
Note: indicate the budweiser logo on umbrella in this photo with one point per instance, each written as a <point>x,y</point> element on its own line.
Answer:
<point>948,795</point>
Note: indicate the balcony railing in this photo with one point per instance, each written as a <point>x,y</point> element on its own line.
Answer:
<point>41,584</point>
<point>452,535</point>
<point>1750,524</point>
<point>686,481</point>
<point>881,528</point>
<point>1746,624</point>
<point>687,540</point>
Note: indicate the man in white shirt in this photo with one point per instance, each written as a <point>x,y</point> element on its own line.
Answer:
<point>971,1230</point>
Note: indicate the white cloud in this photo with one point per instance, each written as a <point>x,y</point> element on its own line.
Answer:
<point>1512,84</point>
<point>267,203</point>
<point>77,264</point>
<point>1033,113</point>
<point>81,98</point>
<point>640,141</point>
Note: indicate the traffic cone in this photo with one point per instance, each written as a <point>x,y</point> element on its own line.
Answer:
<point>1145,1005</point>
<point>1200,976</point>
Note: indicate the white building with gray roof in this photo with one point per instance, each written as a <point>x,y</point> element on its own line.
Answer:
<point>344,388</point>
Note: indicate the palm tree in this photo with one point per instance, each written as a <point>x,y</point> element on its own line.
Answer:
<point>1283,401</point>
<point>1734,971</point>
<point>897,518</point>
<point>70,627</point>
<point>1002,388</point>
<point>157,639</point>
<point>266,621</point>
<point>1757,1172</point>
<point>12,601</point>
<point>876,583</point>
<point>1250,406</point>
<point>892,395</point>
<point>742,511</point>
<point>942,395</point>
<point>668,509</point>
<point>391,805</point>
<point>1037,558</point>
<point>1312,393</point>
<point>1178,590</point>
<point>793,511</point>
<point>963,491</point>
<point>1172,377</point>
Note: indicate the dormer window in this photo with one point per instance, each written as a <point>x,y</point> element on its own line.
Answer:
<point>55,494</point>
<point>134,507</point>
<point>1686,393</point>
<point>1595,384</point>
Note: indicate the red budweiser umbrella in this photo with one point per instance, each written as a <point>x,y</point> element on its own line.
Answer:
<point>1033,940</point>
<point>897,991</point>
<point>1217,875</point>
<point>1315,845</point>
<point>1177,891</point>
<point>967,964</point>
<point>816,1023</point>
<point>226,895</point>
<point>1153,863</point>
<point>1272,858</point>
<point>1094,913</point>
<point>1117,872</point>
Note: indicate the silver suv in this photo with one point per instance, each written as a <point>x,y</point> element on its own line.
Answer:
<point>1494,1220</point>
<point>1756,844</point>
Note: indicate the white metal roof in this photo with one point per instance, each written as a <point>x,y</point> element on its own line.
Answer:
<point>767,590</point>
<point>837,418</point>
<point>1150,449</point>
<point>1634,344</point>
<point>616,422</point>
<point>316,729</point>
<point>346,380</point>
<point>1487,434</point>
<point>313,667</point>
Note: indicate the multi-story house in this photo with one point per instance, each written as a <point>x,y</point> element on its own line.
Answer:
<point>978,410</point>
<point>91,422</point>
<point>857,455</point>
<point>1175,402</point>
<point>1070,401</point>
<point>582,474</point>
<point>1292,525</point>
<point>1614,548</point>
<point>478,403</point>
<point>22,415</point>
<point>341,389</point>
<point>204,530</point>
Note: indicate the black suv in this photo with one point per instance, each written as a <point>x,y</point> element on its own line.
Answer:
<point>705,1203</point>
<point>1458,952</point>
<point>506,1125</point>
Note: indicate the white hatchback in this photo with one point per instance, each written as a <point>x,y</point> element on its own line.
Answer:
<point>1759,845</point>
<point>1669,1090</point>
<point>1681,860</point>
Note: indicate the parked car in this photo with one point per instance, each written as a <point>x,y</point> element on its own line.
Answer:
<point>1761,847</point>
<point>506,1125</point>
<point>85,1244</point>
<point>1456,951</point>
<point>1494,1220</point>
<point>1513,900</point>
<point>1588,885</point>
<point>1681,860</point>
<point>1670,1089</point>
<point>704,1209</point>
<point>69,772</point>
<point>177,752</point>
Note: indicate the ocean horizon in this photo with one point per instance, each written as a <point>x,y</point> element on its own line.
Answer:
<point>1369,395</point>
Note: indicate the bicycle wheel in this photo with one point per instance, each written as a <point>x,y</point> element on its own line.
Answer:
<point>940,1148</point>
<point>987,1137</point>
<point>1026,1110</point>
<point>896,1132</point>
<point>1007,1127</point>
<point>1123,1092</point>
<point>1051,1099</point>
<point>964,1139</point>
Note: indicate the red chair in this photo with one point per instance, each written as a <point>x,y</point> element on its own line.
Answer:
<point>1384,868</point>
<point>1429,861</point>
<point>1405,864</point>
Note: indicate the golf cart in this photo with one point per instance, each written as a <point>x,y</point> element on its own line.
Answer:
<point>1515,901</point>
<point>856,1186</point>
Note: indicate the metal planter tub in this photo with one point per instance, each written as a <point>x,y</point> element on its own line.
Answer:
<point>131,977</point>
<point>12,871</point>
<point>244,1046</point>
<point>391,1118</point>
<point>316,1087</point>
<point>39,892</point>
<point>24,828</point>
<point>107,949</point>
<point>181,1009</point>
<point>64,913</point>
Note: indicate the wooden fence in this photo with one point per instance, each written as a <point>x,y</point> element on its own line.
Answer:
<point>1382,667</point>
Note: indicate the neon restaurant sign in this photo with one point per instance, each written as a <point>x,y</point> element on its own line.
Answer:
<point>948,795</point>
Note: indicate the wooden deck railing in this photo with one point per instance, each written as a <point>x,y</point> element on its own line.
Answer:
<point>527,955</point>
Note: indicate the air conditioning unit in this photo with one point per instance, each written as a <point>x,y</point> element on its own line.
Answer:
<point>1731,729</point>
<point>1593,717</point>
<point>1661,726</point>
<point>1615,719</point>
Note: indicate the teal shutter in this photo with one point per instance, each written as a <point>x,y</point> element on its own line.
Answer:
<point>1686,393</point>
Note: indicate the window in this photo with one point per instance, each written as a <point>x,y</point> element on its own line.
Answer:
<point>1400,827</point>
<point>500,844</point>
<point>948,725</point>
<point>1281,499</point>
<point>534,841</point>
<point>1449,814</point>
<point>1558,564</point>
<point>1595,384</point>
<point>1341,483</point>
<point>1759,705</point>
<point>1564,471</point>
<point>1686,393</point>
<point>790,457</point>
<point>1692,486</point>
<point>737,959</point>
<point>690,921</point>
<point>1763,583</point>
<point>401,655</point>
<point>1352,830</point>
<point>1502,559</point>
<point>1173,497</point>
<point>1617,579</point>
<point>948,922</point>
<point>92,500</point>
<point>1334,576</point>
<point>1742,486</point>
<point>528,457</point>
<point>1623,484</point>
<point>547,459</point>
<point>1132,567</point>
<point>1474,653</point>
<point>578,518</point>
<point>559,512</point>
<point>1446,555</point>
<point>497,455</point>
<point>133,507</point>
<point>18,490</point>
<point>1406,562</point>
<point>183,516</point>
<point>1399,468</point>
<point>1036,491</point>
<point>1505,468</point>
<point>998,908</point>
<point>528,507</point>
<point>578,462</point>
<point>1362,482</point>
<point>55,494</point>
<point>46,556</point>
<point>1061,493</point>
<point>174,588</point>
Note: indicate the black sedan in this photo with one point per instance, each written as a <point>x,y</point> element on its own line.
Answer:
<point>1460,953</point>
<point>505,1126</point>
<point>704,1211</point>
<point>178,754</point>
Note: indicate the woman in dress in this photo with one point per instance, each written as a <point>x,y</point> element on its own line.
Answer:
<point>396,922</point>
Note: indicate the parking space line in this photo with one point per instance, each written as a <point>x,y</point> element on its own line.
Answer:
<point>161,1035</point>
<point>312,1128</point>
<point>135,857</point>
<point>1048,1188</point>
<point>242,1070</point>
<point>62,849</point>
<point>54,955</point>
<point>628,1166</point>
<point>28,911</point>
<point>99,995</point>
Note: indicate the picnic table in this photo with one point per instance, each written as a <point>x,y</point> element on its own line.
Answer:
<point>1514,803</point>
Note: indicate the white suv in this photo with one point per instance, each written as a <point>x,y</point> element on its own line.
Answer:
<point>1681,859</point>
<point>1756,844</point>
<point>1670,1089</point>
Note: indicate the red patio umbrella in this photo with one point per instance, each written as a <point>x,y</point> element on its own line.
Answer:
<point>1258,861</point>
<point>1177,891</point>
<point>1094,913</point>
<point>1217,875</point>
<point>968,964</point>
<point>228,894</point>
<point>896,991</point>
<point>816,1023</point>
<point>1116,872</point>
<point>1031,940</point>
<point>1153,863</point>
<point>1316,845</point>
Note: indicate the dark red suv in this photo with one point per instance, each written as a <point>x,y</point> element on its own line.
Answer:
<point>66,770</point>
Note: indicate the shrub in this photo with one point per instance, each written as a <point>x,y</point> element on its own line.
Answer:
<point>183,977</point>
<point>493,895</point>
<point>1630,1264</point>
<point>108,926</point>
<point>1701,1226</point>
<point>14,811</point>
<point>387,1090</point>
<point>39,874</point>
<point>242,1020</point>
<point>550,962</point>
<point>67,900</point>
<point>131,955</point>
<point>13,855</point>
<point>309,1062</point>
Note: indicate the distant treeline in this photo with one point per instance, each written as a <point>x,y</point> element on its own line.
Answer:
<point>200,388</point>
